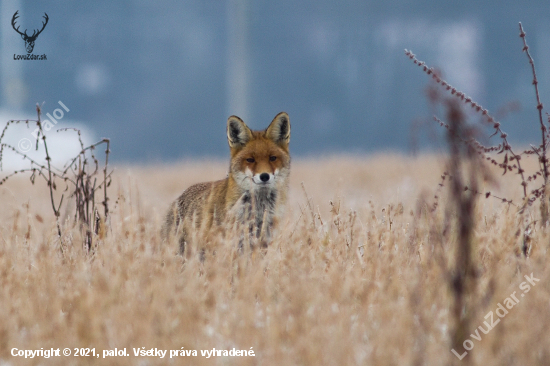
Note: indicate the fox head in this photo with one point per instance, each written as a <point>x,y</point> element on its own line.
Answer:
<point>259,158</point>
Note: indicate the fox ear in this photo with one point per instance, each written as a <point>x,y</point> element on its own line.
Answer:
<point>238,133</point>
<point>279,129</point>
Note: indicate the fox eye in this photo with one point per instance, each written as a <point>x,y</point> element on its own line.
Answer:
<point>250,160</point>
<point>272,158</point>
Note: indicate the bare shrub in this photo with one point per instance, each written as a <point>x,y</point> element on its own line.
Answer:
<point>80,176</point>
<point>465,169</point>
<point>509,161</point>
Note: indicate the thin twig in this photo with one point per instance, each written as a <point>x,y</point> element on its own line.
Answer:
<point>542,157</point>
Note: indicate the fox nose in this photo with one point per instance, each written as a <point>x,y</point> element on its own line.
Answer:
<point>264,177</point>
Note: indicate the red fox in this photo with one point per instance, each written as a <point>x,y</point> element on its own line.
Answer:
<point>253,194</point>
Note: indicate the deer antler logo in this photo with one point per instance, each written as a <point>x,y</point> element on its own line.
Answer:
<point>29,40</point>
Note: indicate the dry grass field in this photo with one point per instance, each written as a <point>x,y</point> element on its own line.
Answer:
<point>357,275</point>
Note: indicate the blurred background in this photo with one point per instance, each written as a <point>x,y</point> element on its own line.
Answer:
<point>160,78</point>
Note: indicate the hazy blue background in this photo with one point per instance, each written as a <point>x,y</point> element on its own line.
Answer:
<point>160,78</point>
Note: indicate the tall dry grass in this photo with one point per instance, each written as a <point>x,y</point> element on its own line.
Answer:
<point>357,276</point>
